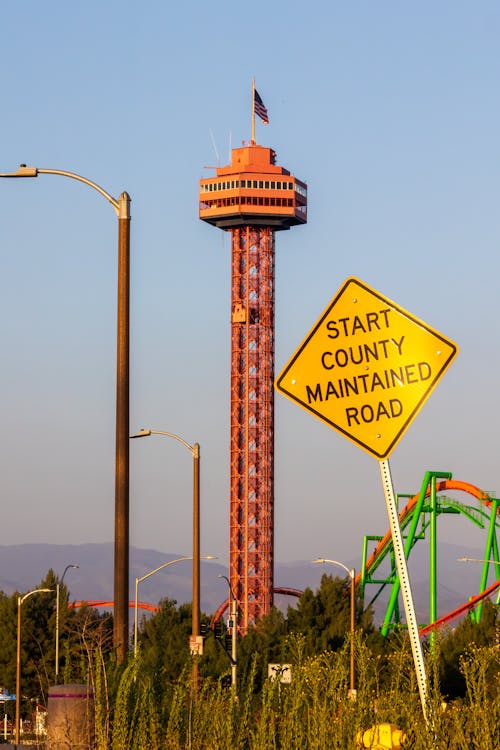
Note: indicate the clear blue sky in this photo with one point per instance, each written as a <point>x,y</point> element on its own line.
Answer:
<point>389,111</point>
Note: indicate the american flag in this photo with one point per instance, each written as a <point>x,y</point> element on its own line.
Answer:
<point>260,108</point>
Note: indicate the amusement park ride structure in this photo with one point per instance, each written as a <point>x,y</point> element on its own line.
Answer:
<point>418,521</point>
<point>252,198</point>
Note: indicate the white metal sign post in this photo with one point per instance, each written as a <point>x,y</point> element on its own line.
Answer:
<point>406,593</point>
<point>366,368</point>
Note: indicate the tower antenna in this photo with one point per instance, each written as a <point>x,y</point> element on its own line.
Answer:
<point>214,147</point>
<point>253,111</point>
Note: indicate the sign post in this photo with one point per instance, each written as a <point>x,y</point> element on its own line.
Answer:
<point>366,368</point>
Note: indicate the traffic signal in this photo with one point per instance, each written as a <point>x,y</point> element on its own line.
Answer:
<point>218,629</point>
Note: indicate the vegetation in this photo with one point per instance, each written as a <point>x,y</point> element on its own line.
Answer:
<point>151,702</point>
<point>81,632</point>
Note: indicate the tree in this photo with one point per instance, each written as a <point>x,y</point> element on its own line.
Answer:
<point>164,639</point>
<point>38,639</point>
<point>324,617</point>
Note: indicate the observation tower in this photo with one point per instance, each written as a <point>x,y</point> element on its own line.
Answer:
<point>252,198</point>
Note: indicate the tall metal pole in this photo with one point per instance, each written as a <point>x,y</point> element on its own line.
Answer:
<point>352,575</point>
<point>196,639</point>
<point>18,670</point>
<point>121,565</point>
<point>234,644</point>
<point>121,569</point>
<point>136,615</point>
<point>352,690</point>
<point>20,600</point>
<point>148,575</point>
<point>59,584</point>
<point>233,624</point>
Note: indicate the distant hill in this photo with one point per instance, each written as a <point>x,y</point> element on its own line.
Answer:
<point>23,566</point>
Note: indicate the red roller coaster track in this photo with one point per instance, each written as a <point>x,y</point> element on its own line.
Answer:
<point>464,608</point>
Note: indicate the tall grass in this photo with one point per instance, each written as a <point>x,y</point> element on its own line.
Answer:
<point>314,711</point>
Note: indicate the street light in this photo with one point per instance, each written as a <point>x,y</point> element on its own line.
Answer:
<point>121,563</point>
<point>20,600</point>
<point>352,574</point>
<point>58,586</point>
<point>194,449</point>
<point>234,634</point>
<point>148,575</point>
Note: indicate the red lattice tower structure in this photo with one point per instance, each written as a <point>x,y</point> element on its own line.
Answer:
<point>252,198</point>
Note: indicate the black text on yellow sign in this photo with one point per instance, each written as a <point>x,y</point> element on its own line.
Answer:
<point>366,367</point>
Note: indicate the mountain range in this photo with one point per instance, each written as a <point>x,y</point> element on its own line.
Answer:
<point>24,566</point>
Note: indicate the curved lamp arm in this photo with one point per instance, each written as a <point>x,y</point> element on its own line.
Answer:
<point>193,449</point>
<point>25,171</point>
<point>350,571</point>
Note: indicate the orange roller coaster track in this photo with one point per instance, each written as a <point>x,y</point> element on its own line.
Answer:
<point>107,604</point>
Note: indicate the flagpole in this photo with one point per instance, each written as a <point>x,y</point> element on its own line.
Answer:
<point>253,110</point>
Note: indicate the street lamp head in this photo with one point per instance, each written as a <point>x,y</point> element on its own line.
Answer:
<point>350,571</point>
<point>21,599</point>
<point>141,433</point>
<point>68,567</point>
<point>23,171</point>
<point>221,575</point>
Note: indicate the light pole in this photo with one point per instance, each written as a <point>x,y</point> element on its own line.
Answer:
<point>121,563</point>
<point>196,640</point>
<point>148,575</point>
<point>352,575</point>
<point>20,600</point>
<point>234,636</point>
<point>58,586</point>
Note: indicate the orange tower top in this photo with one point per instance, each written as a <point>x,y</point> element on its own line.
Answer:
<point>253,190</point>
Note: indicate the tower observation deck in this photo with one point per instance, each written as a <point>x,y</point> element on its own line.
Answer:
<point>252,198</point>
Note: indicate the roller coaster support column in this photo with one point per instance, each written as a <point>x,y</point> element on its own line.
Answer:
<point>433,558</point>
<point>402,569</point>
<point>427,480</point>
<point>491,552</point>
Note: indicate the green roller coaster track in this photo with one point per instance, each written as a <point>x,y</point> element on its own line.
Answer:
<point>419,518</point>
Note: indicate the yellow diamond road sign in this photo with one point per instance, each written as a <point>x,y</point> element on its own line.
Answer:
<point>366,367</point>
